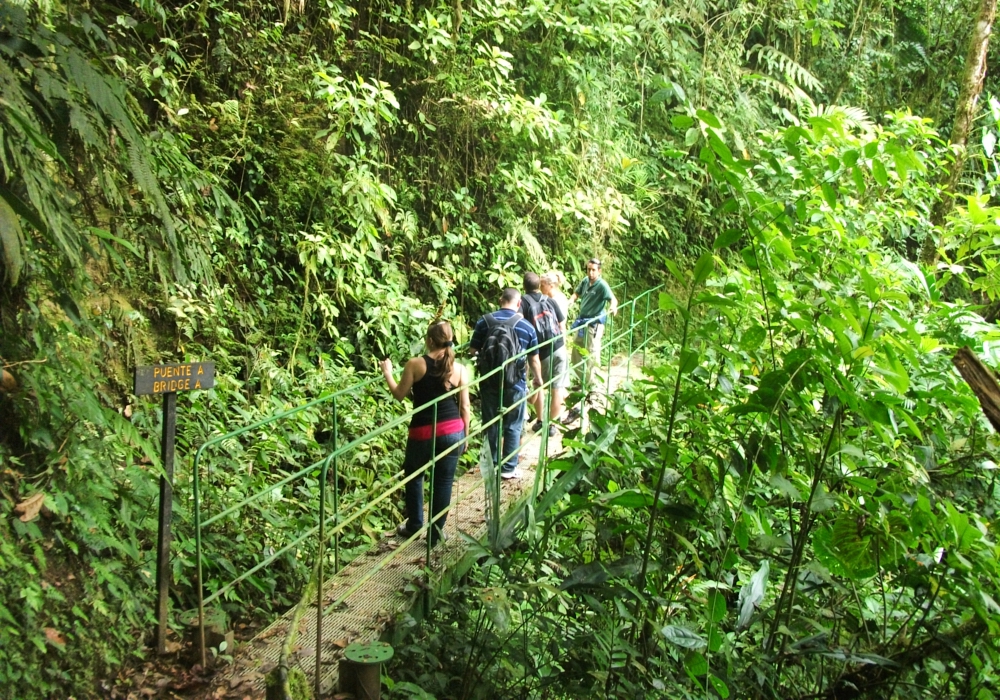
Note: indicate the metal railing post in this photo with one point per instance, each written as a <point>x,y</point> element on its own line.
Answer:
<point>430,503</point>
<point>631,336</point>
<point>611,355</point>
<point>198,553</point>
<point>336,493</point>
<point>645,329</point>
<point>587,365</point>
<point>319,572</point>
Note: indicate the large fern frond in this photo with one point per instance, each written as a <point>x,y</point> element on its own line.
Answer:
<point>847,118</point>
<point>53,95</point>
<point>783,76</point>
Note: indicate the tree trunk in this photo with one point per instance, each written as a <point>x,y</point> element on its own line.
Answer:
<point>965,110</point>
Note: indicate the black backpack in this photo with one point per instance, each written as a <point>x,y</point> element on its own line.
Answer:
<point>500,346</point>
<point>543,317</point>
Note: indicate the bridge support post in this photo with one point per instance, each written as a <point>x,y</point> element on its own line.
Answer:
<point>361,669</point>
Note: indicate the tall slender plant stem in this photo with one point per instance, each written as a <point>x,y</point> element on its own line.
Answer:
<point>648,544</point>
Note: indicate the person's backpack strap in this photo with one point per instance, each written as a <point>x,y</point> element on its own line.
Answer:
<point>512,321</point>
<point>492,321</point>
<point>533,306</point>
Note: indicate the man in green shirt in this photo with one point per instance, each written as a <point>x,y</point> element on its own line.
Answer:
<point>593,293</point>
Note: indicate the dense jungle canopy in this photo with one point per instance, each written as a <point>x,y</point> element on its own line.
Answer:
<point>797,499</point>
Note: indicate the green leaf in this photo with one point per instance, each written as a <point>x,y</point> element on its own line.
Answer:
<point>720,148</point>
<point>667,302</point>
<point>753,337</point>
<point>681,121</point>
<point>879,173</point>
<point>709,118</point>
<point>720,686</point>
<point>107,236</point>
<point>661,95</point>
<point>727,238</point>
<point>689,360</point>
<point>829,194</point>
<point>11,242</point>
<point>902,165</point>
<point>822,500</point>
<point>785,486</point>
<point>716,605</point>
<point>675,271</point>
<point>696,664</point>
<point>859,180</point>
<point>683,637</point>
<point>630,498</point>
<point>703,268</point>
<point>752,593</point>
<point>691,136</point>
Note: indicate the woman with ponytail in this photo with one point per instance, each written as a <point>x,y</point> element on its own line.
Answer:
<point>425,379</point>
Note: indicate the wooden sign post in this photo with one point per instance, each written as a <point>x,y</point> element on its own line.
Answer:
<point>168,380</point>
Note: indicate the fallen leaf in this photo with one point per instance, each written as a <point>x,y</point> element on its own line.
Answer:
<point>341,643</point>
<point>29,507</point>
<point>172,647</point>
<point>53,636</point>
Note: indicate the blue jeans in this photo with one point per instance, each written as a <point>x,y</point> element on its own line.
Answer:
<point>513,423</point>
<point>418,455</point>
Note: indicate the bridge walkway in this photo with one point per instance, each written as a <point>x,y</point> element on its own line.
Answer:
<point>364,599</point>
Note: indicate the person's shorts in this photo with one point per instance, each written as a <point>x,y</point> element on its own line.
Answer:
<point>556,365</point>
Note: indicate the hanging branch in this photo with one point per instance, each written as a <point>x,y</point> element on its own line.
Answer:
<point>982,381</point>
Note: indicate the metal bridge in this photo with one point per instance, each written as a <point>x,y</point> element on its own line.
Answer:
<point>358,601</point>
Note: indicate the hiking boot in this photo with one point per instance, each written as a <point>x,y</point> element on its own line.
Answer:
<point>571,415</point>
<point>536,426</point>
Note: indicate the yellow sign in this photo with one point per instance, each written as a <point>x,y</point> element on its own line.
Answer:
<point>169,379</point>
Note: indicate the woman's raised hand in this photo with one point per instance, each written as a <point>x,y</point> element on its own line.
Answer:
<point>386,366</point>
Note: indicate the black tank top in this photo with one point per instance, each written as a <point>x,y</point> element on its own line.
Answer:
<point>428,389</point>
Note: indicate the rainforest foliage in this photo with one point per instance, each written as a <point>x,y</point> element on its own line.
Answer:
<point>795,500</point>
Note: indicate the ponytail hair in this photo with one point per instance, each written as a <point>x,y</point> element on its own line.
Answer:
<point>440,335</point>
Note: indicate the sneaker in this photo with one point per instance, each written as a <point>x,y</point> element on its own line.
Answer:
<point>553,431</point>
<point>537,426</point>
<point>571,415</point>
<point>403,531</point>
<point>509,475</point>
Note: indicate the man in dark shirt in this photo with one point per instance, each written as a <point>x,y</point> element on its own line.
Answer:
<point>535,306</point>
<point>514,398</point>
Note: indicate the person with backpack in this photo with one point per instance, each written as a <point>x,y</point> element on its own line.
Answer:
<point>498,338</point>
<point>550,325</point>
<point>594,293</point>
<point>435,433</point>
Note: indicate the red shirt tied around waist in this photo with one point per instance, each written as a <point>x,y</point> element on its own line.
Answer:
<point>438,429</point>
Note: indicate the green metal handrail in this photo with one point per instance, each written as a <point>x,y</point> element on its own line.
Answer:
<point>331,461</point>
